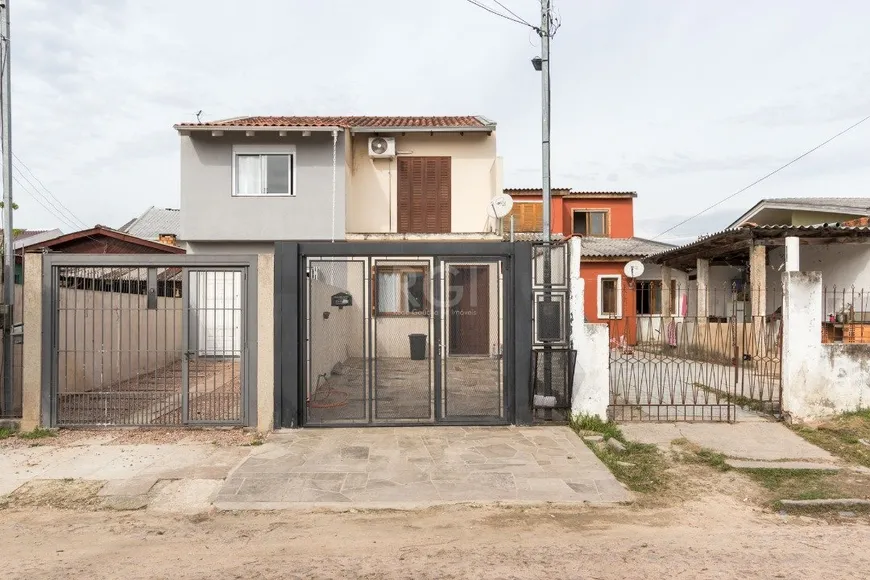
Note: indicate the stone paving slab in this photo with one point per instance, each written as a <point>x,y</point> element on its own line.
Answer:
<point>419,466</point>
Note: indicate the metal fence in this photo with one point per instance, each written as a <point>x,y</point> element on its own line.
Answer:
<point>12,409</point>
<point>410,339</point>
<point>689,354</point>
<point>149,343</point>
<point>845,315</point>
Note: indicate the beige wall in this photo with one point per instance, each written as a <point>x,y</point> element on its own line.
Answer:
<point>372,185</point>
<point>107,337</point>
<point>812,218</point>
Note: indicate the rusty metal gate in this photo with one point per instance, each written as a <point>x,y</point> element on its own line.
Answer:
<point>686,366</point>
<point>148,340</point>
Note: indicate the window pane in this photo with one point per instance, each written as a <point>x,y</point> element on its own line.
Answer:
<point>580,222</point>
<point>414,291</point>
<point>277,174</point>
<point>248,175</point>
<point>597,223</point>
<point>388,292</point>
<point>608,296</point>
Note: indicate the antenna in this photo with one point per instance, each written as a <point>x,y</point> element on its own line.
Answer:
<point>198,114</point>
<point>500,206</point>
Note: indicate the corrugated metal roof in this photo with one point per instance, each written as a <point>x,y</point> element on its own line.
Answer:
<point>154,222</point>
<point>746,233</point>
<point>850,202</point>
<point>621,247</point>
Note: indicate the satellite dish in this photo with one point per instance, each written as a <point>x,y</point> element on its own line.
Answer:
<point>633,269</point>
<point>500,205</point>
<point>379,146</point>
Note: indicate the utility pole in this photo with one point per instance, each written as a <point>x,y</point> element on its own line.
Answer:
<point>545,189</point>
<point>8,247</point>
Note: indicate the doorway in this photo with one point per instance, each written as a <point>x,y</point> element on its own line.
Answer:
<point>469,310</point>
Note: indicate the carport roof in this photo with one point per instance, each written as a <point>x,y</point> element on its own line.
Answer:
<point>732,245</point>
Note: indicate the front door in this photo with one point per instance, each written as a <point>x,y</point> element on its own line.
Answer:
<point>469,310</point>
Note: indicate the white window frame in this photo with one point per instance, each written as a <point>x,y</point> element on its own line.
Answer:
<point>600,296</point>
<point>277,149</point>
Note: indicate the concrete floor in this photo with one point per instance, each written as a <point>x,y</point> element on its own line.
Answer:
<point>392,467</point>
<point>756,440</point>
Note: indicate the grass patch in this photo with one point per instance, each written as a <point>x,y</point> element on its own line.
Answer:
<point>700,455</point>
<point>6,433</point>
<point>797,483</point>
<point>841,436</point>
<point>37,433</point>
<point>640,467</point>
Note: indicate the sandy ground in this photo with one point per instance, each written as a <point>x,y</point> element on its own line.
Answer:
<point>719,537</point>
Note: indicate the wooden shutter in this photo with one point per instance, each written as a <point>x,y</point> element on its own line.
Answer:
<point>528,217</point>
<point>423,195</point>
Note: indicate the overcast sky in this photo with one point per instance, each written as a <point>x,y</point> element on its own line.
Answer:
<point>684,102</point>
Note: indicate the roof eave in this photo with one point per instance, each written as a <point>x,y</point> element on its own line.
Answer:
<point>270,128</point>
<point>419,129</point>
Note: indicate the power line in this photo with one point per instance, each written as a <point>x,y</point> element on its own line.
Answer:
<point>43,204</point>
<point>69,211</point>
<point>52,204</point>
<point>767,176</point>
<point>514,14</point>
<point>501,15</point>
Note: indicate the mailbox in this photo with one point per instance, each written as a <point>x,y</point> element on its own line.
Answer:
<point>342,299</point>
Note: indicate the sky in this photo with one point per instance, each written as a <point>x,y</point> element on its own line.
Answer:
<point>684,102</point>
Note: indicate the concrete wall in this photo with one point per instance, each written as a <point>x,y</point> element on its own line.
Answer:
<point>336,334</point>
<point>265,346</point>
<point>108,337</point>
<point>475,179</point>
<point>818,379</point>
<point>232,248</point>
<point>591,385</point>
<point>209,211</point>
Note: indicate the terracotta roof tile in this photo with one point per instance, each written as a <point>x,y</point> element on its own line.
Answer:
<point>348,122</point>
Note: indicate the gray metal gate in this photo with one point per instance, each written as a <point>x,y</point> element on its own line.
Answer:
<point>398,333</point>
<point>149,340</point>
<point>411,339</point>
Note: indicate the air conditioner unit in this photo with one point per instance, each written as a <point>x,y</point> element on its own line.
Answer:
<point>380,147</point>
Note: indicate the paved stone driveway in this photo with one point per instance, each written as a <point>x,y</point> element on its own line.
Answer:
<point>416,466</point>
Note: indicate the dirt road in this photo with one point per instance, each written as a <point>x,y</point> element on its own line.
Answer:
<point>719,538</point>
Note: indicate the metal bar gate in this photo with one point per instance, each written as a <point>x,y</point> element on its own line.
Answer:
<point>149,340</point>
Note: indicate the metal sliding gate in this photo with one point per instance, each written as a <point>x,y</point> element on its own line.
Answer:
<point>404,339</point>
<point>148,340</point>
<point>686,367</point>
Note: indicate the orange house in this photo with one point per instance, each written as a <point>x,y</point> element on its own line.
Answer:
<point>605,220</point>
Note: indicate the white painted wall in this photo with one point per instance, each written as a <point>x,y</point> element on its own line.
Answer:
<point>591,386</point>
<point>818,379</point>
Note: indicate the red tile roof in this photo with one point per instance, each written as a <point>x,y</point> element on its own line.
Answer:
<point>348,122</point>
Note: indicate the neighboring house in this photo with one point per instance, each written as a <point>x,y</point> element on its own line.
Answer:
<point>157,224</point>
<point>101,240</point>
<point>804,211</point>
<point>250,181</point>
<point>605,220</point>
<point>21,238</point>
